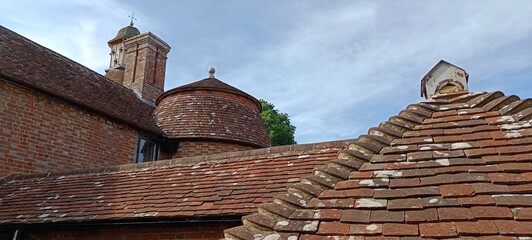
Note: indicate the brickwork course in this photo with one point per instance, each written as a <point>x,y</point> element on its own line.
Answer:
<point>42,133</point>
<point>193,148</point>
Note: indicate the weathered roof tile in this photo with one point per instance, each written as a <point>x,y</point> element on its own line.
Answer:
<point>334,228</point>
<point>355,216</point>
<point>418,216</point>
<point>463,171</point>
<point>171,188</point>
<point>476,228</point>
<point>437,230</point>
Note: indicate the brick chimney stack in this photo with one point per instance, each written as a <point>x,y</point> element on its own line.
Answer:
<point>145,65</point>
<point>138,61</point>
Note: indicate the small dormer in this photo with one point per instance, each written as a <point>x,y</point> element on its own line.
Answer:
<point>444,78</point>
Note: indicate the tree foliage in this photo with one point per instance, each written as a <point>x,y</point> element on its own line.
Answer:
<point>280,129</point>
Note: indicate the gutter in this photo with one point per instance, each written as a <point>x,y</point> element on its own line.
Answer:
<point>18,227</point>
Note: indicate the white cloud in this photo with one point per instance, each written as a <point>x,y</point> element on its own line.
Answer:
<point>340,60</point>
<point>336,69</point>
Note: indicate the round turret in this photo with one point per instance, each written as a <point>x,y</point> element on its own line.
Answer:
<point>210,116</point>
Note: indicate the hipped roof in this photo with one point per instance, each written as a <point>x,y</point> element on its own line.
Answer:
<point>457,166</point>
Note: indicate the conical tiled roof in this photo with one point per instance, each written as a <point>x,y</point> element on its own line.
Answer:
<point>209,84</point>
<point>211,109</point>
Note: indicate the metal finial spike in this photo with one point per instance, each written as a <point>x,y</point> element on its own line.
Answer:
<point>133,18</point>
<point>211,71</point>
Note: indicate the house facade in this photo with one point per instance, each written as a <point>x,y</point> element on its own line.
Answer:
<point>457,164</point>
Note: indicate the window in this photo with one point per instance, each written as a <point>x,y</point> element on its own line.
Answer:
<point>146,150</point>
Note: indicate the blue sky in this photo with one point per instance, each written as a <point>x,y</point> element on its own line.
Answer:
<point>336,67</point>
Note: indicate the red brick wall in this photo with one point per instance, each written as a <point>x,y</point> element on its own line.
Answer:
<point>168,232</point>
<point>41,133</point>
<point>191,148</point>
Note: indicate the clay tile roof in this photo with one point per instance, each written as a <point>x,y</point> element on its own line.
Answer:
<point>211,109</point>
<point>62,77</point>
<point>456,166</point>
<point>209,84</point>
<point>229,184</point>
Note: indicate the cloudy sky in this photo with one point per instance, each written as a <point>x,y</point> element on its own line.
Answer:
<point>336,67</point>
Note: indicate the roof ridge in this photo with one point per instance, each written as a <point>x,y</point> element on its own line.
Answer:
<point>286,207</point>
<point>512,105</point>
<point>185,161</point>
<point>41,47</point>
<point>275,215</point>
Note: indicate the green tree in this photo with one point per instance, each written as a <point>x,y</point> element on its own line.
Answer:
<point>280,129</point>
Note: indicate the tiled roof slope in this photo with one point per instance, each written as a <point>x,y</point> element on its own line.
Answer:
<point>457,166</point>
<point>209,84</point>
<point>30,64</point>
<point>229,184</point>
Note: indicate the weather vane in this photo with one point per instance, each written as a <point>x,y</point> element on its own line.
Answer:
<point>133,18</point>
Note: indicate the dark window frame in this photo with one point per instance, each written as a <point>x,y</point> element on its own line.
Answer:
<point>150,148</point>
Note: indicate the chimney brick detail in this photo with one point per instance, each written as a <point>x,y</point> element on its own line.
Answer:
<point>145,65</point>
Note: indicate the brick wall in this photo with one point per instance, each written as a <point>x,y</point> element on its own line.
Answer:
<point>191,148</point>
<point>139,232</point>
<point>42,133</point>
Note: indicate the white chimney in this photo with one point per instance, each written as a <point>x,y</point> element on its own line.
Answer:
<point>444,78</point>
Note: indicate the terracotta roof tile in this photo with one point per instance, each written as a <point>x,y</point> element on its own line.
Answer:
<point>476,228</point>
<point>437,230</point>
<point>397,229</point>
<point>458,170</point>
<point>418,216</point>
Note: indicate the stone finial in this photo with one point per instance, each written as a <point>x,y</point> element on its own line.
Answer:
<point>211,72</point>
